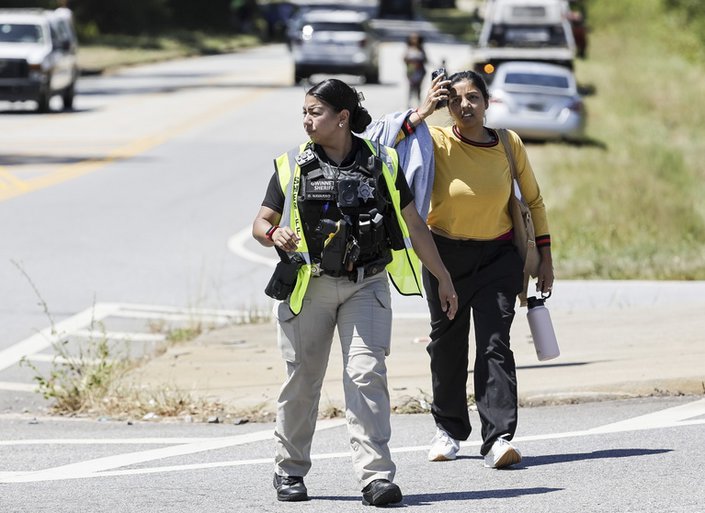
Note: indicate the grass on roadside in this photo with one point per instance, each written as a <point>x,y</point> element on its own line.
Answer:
<point>628,204</point>
<point>106,52</point>
<point>91,377</point>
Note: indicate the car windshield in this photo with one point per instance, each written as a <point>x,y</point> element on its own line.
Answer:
<point>528,11</point>
<point>528,35</point>
<point>336,27</point>
<point>20,33</point>
<point>534,79</point>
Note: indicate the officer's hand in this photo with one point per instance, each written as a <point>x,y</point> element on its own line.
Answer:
<point>448,298</point>
<point>284,238</point>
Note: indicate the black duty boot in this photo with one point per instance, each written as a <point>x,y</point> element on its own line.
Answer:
<point>290,488</point>
<point>380,492</point>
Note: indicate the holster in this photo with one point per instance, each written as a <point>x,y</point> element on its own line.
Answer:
<point>283,280</point>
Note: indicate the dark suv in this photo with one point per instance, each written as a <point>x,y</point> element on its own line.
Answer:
<point>335,42</point>
<point>37,56</point>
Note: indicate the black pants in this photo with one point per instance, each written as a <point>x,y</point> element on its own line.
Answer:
<point>487,277</point>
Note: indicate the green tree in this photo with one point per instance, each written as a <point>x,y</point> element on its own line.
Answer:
<point>120,17</point>
<point>46,4</point>
<point>190,14</point>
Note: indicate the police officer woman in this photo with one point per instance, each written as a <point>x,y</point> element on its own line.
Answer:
<point>340,213</point>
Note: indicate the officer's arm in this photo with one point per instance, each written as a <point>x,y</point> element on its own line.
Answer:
<point>264,224</point>
<point>428,254</point>
<point>267,231</point>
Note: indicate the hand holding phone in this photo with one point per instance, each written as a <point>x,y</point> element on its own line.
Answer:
<point>435,73</point>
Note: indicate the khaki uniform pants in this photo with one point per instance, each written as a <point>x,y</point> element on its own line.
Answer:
<point>362,314</point>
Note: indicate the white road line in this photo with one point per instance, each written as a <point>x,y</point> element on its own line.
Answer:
<point>177,317</point>
<point>80,325</point>
<point>236,244</point>
<point>120,335</point>
<point>167,313</point>
<point>130,307</point>
<point>181,468</point>
<point>95,468</point>
<point>43,357</point>
<point>17,387</point>
<point>662,418</point>
<point>106,441</point>
<point>48,336</point>
<point>679,416</point>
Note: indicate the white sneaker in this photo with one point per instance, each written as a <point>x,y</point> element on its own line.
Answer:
<point>502,454</point>
<point>443,447</point>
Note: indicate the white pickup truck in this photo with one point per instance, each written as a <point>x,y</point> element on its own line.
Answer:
<point>37,56</point>
<point>524,30</point>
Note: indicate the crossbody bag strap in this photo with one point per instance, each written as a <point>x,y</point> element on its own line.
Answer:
<point>504,137</point>
<point>516,188</point>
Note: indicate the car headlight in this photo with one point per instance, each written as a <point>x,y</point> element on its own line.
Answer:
<point>36,72</point>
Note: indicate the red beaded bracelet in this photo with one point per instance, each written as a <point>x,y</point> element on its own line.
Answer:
<point>271,231</point>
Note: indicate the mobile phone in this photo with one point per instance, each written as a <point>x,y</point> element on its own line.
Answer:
<point>434,74</point>
<point>439,71</point>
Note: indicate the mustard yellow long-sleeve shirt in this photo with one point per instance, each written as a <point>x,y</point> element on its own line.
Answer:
<point>472,183</point>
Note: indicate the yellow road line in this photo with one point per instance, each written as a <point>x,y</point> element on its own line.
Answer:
<point>8,180</point>
<point>16,187</point>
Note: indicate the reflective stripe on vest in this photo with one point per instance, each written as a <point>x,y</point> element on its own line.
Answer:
<point>290,181</point>
<point>404,269</point>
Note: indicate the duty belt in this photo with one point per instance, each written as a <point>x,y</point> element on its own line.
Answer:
<point>360,272</point>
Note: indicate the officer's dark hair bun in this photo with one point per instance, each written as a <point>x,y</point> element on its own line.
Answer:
<point>360,119</point>
<point>340,95</point>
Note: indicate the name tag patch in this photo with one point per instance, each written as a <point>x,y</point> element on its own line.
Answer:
<point>319,190</point>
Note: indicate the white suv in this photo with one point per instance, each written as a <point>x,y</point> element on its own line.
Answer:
<point>524,30</point>
<point>37,56</point>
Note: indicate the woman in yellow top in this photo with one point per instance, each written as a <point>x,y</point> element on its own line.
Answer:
<point>472,228</point>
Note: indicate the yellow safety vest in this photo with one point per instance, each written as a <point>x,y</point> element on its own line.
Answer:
<point>404,269</point>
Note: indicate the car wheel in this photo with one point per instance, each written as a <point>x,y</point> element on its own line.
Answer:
<point>68,95</point>
<point>43,100</point>
<point>299,75</point>
<point>372,76</point>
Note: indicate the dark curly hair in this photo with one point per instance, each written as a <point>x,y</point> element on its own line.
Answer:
<point>339,96</point>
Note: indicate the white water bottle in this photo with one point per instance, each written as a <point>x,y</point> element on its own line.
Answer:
<point>541,328</point>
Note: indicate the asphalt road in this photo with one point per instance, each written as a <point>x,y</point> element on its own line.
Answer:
<point>134,211</point>
<point>642,455</point>
<point>132,214</point>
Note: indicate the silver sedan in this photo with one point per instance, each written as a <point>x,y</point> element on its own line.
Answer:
<point>539,101</point>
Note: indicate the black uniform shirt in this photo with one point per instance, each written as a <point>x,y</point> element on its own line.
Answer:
<point>313,211</point>
<point>274,197</point>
